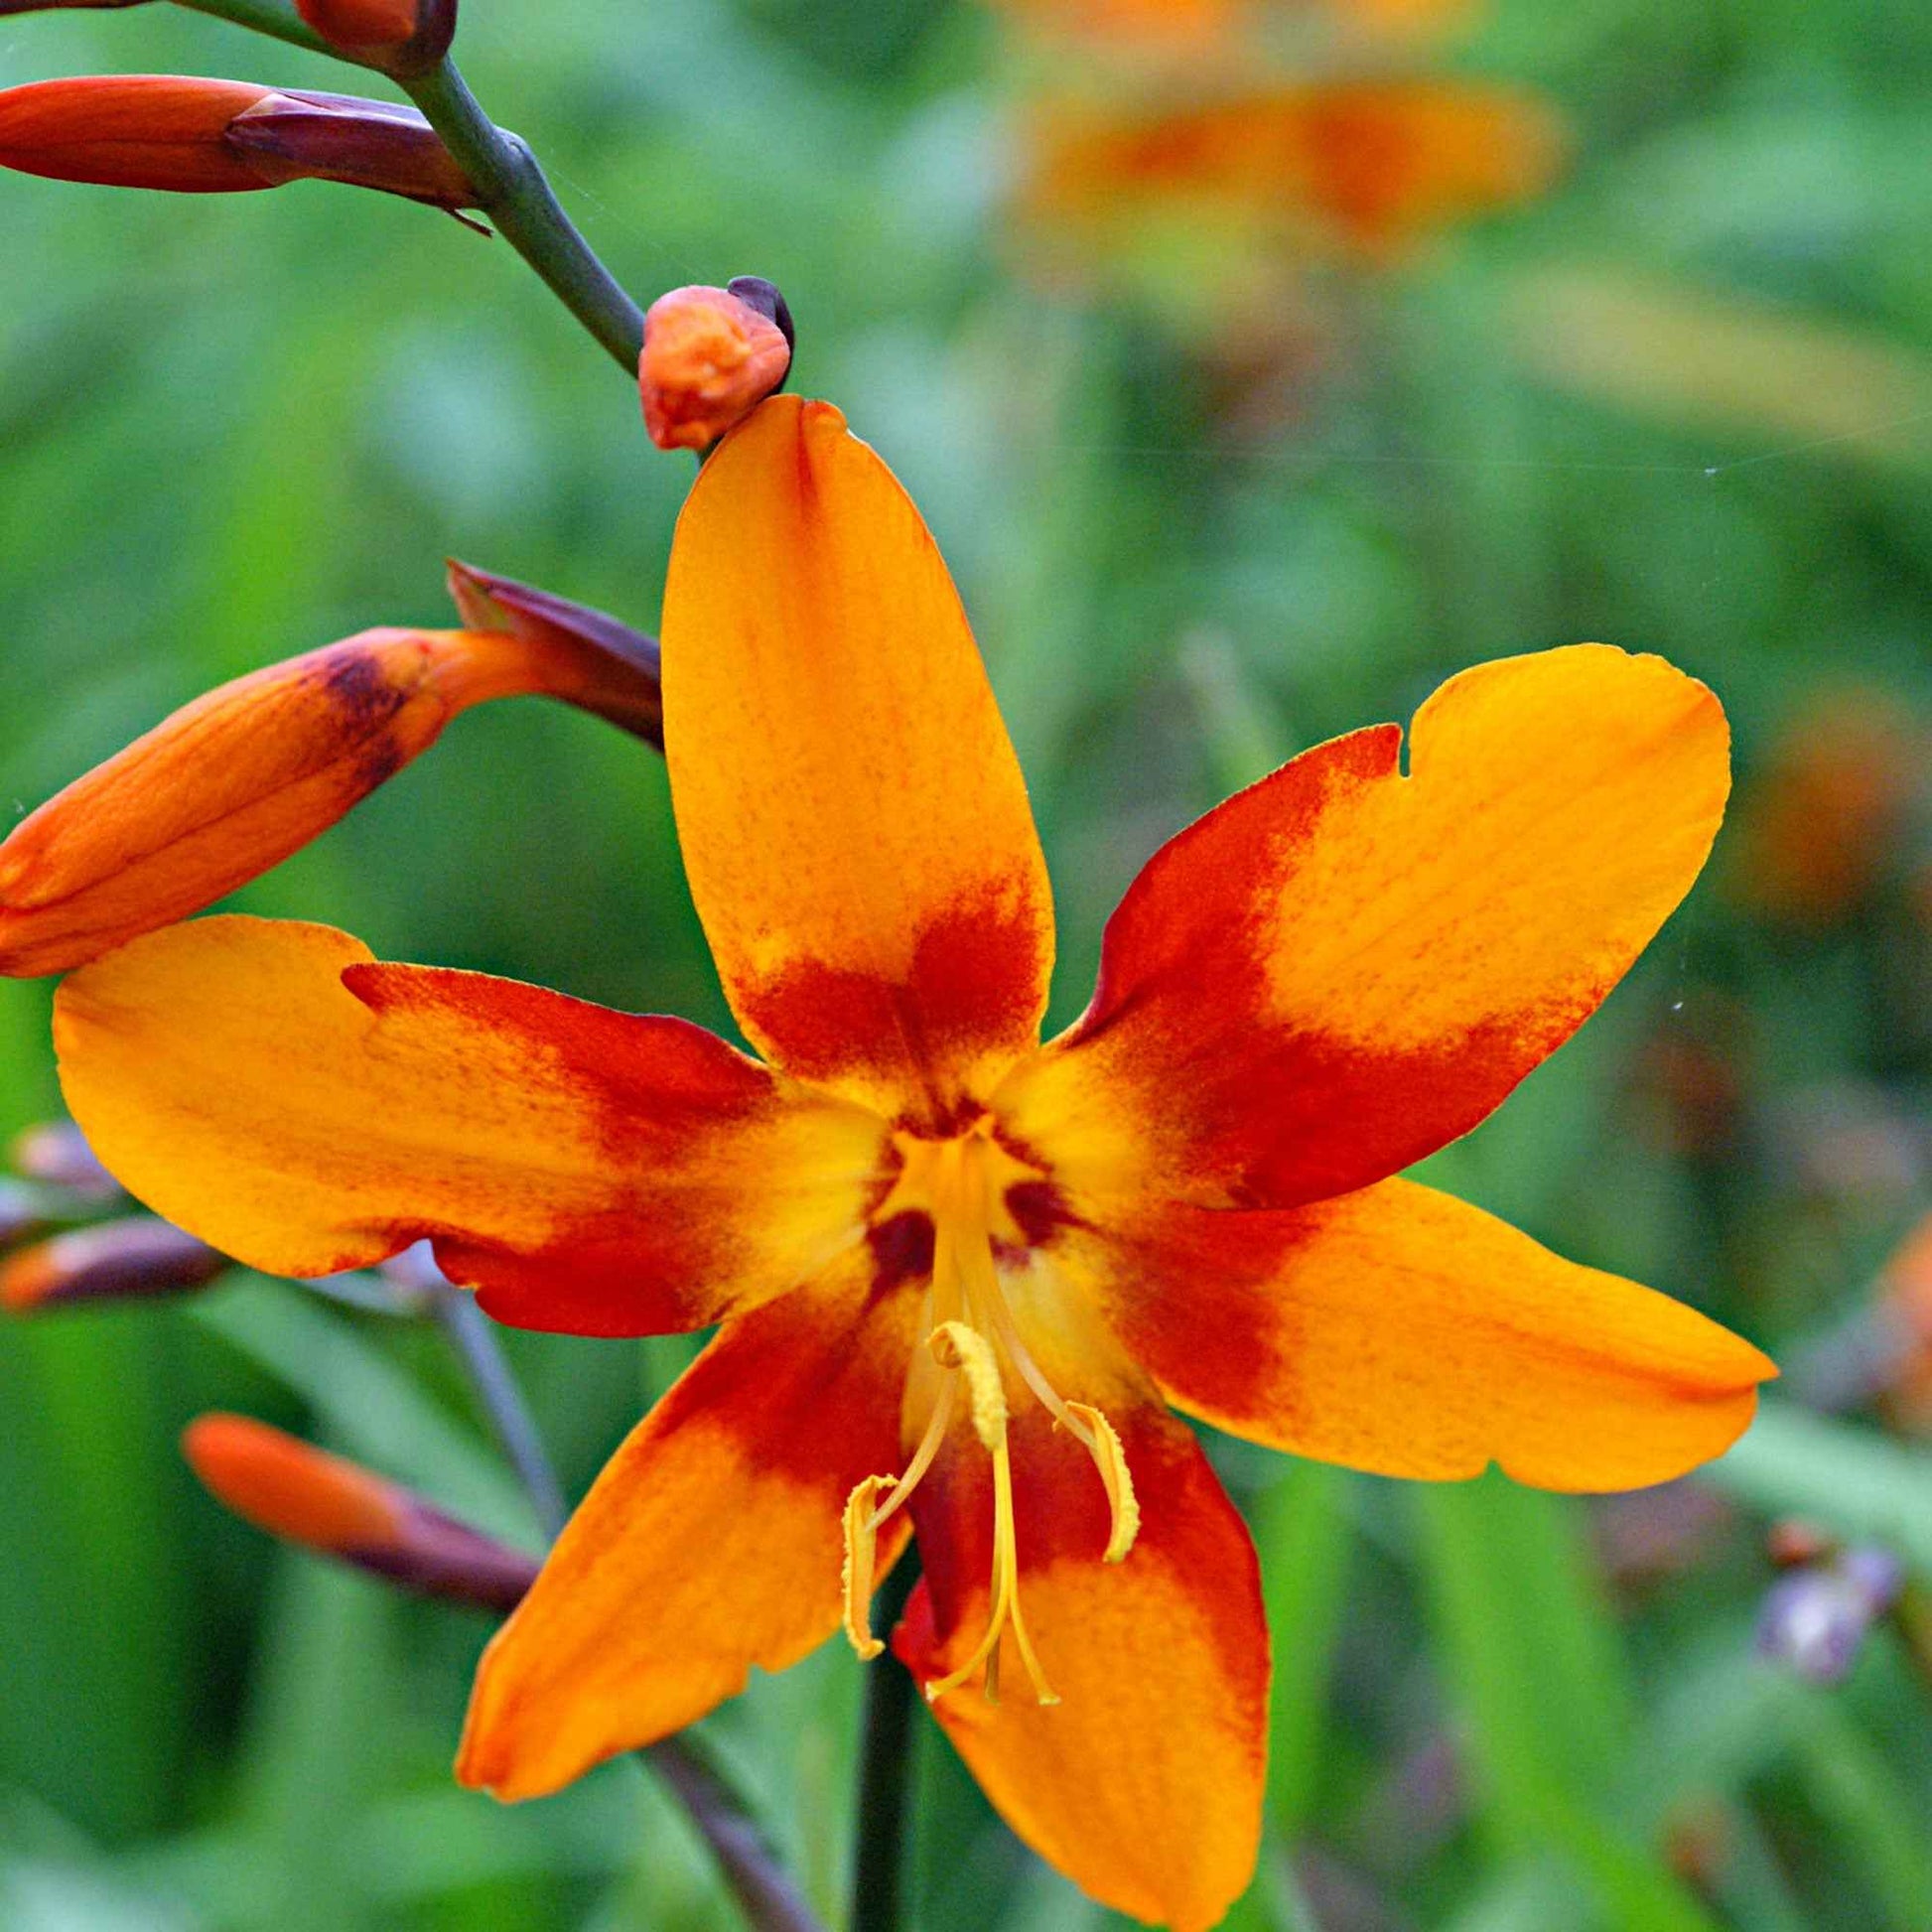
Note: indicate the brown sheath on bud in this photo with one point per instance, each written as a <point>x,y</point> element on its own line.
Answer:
<point>234,782</point>
<point>51,6</point>
<point>192,136</point>
<point>112,1261</point>
<point>710,358</point>
<point>615,667</point>
<point>328,1504</point>
<point>56,1154</point>
<point>398,36</point>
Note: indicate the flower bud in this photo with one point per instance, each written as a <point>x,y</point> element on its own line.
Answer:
<point>112,1261</point>
<point>711,355</point>
<point>193,136</point>
<point>235,781</point>
<point>328,1504</point>
<point>610,668</point>
<point>56,1154</point>
<point>398,36</point>
<point>1815,1619</point>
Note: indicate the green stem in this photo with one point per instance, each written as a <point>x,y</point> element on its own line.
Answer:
<point>513,190</point>
<point>885,1771</point>
<point>769,1900</point>
<point>264,17</point>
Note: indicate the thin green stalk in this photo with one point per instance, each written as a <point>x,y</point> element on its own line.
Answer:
<point>885,1772</point>
<point>270,17</point>
<point>768,1897</point>
<point>513,190</point>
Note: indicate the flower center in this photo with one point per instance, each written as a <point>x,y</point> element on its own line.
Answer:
<point>975,1349</point>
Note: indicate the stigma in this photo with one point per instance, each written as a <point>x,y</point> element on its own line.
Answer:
<point>976,1364</point>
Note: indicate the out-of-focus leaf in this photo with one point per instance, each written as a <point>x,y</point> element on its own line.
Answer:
<point>1850,1480</point>
<point>375,1411</point>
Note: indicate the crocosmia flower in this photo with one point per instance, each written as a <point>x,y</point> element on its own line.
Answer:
<point>963,1278</point>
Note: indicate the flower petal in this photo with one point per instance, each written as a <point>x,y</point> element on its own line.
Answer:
<point>711,1542</point>
<point>269,1087</point>
<point>1144,1783</point>
<point>1342,968</point>
<point>852,819</point>
<point>1403,1331</point>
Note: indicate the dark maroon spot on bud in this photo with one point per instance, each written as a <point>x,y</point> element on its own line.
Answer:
<point>756,293</point>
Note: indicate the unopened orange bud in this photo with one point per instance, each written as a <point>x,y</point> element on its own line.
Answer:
<point>711,356</point>
<point>192,136</point>
<point>332,1505</point>
<point>401,35</point>
<point>234,782</point>
<point>596,663</point>
<point>112,1261</point>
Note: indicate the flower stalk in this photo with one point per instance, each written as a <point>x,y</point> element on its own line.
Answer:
<point>512,190</point>
<point>885,1771</point>
<point>512,186</point>
<point>769,1898</point>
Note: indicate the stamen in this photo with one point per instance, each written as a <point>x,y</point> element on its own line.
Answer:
<point>1005,1607</point>
<point>862,1562</point>
<point>1111,1460</point>
<point>956,1346</point>
<point>935,1433</point>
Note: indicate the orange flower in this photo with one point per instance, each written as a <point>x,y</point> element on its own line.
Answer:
<point>962,1274</point>
<point>709,357</point>
<point>1380,163</point>
<point>339,1509</point>
<point>235,781</point>
<point>206,137</point>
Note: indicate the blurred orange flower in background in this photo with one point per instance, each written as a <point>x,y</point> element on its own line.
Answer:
<point>961,1275</point>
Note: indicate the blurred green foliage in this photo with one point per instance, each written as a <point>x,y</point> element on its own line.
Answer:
<point>233,428</point>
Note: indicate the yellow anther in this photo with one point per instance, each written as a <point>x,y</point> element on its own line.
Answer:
<point>1103,1444</point>
<point>861,1562</point>
<point>956,1345</point>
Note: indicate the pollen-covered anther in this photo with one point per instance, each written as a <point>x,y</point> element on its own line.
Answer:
<point>862,1522</point>
<point>1103,1444</point>
<point>956,1345</point>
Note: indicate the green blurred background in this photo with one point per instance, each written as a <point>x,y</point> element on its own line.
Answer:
<point>1682,402</point>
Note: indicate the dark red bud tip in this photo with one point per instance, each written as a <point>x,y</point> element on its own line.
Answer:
<point>327,1503</point>
<point>398,36</point>
<point>592,660</point>
<point>113,1261</point>
<point>56,1154</point>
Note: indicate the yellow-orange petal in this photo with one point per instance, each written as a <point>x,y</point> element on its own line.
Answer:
<point>323,1502</point>
<point>307,1110</point>
<point>1342,968</point>
<point>709,358</point>
<point>1402,1331</point>
<point>710,1544</point>
<point>1144,1782</point>
<point>233,782</point>
<point>854,821</point>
